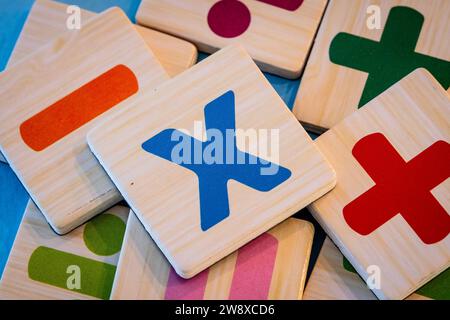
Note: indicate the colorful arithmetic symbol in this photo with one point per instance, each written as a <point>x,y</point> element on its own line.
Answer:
<point>400,188</point>
<point>252,274</point>
<point>231,18</point>
<point>103,236</point>
<point>390,59</point>
<point>213,178</point>
<point>79,107</point>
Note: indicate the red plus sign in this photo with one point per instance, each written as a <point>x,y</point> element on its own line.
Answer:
<point>400,188</point>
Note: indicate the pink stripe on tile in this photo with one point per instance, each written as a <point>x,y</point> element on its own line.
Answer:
<point>254,269</point>
<point>186,289</point>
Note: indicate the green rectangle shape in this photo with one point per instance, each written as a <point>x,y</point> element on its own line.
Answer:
<point>50,266</point>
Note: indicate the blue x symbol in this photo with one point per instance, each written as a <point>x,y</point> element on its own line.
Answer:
<point>213,177</point>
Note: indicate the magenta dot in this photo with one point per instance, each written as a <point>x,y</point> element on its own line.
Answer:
<point>229,18</point>
<point>290,5</point>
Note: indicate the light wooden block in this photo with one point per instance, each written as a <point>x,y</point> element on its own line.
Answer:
<point>334,84</point>
<point>55,165</point>
<point>42,265</point>
<point>165,196</point>
<point>270,267</point>
<point>360,214</point>
<point>47,20</point>
<point>278,37</point>
<point>334,279</point>
<point>330,280</point>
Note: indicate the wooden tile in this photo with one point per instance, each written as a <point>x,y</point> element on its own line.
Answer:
<point>391,160</point>
<point>47,20</point>
<point>331,280</point>
<point>277,34</point>
<point>336,82</point>
<point>334,278</point>
<point>273,266</point>
<point>165,196</point>
<point>43,137</point>
<point>435,289</point>
<point>80,265</point>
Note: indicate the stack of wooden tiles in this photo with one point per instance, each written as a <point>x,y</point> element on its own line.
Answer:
<point>387,146</point>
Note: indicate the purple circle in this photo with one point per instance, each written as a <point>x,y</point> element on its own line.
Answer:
<point>229,18</point>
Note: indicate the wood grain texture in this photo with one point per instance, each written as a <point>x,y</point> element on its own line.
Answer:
<point>329,92</point>
<point>47,20</point>
<point>412,115</point>
<point>153,186</point>
<point>143,271</point>
<point>34,233</point>
<point>330,280</point>
<point>65,180</point>
<point>278,40</point>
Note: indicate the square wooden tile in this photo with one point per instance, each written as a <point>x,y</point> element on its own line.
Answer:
<point>391,160</point>
<point>273,266</point>
<point>277,34</point>
<point>80,265</point>
<point>71,84</point>
<point>47,20</point>
<point>334,278</point>
<point>193,211</point>
<point>354,59</point>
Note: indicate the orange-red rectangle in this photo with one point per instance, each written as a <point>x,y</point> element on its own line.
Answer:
<point>79,107</point>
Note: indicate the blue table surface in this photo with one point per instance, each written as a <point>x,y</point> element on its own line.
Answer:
<point>13,196</point>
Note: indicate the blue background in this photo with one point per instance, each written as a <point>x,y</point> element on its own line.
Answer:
<point>13,196</point>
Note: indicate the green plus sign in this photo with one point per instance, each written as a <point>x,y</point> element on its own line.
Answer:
<point>392,58</point>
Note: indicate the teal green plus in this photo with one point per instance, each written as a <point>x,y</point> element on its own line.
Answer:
<point>391,59</point>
